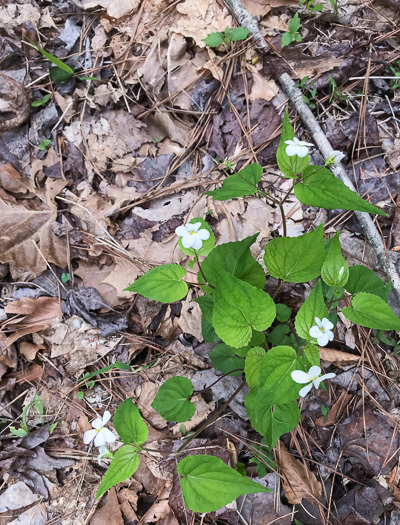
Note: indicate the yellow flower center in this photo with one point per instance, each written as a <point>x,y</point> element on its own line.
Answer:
<point>192,233</point>
<point>314,378</point>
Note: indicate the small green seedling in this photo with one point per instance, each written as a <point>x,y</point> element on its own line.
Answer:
<point>52,427</point>
<point>324,412</point>
<point>156,140</point>
<point>379,336</point>
<point>311,7</point>
<point>292,33</point>
<point>309,88</point>
<point>395,84</point>
<point>65,277</point>
<point>44,144</point>
<point>228,164</point>
<point>229,36</point>
<point>335,6</point>
<point>60,72</point>
<point>23,430</point>
<point>335,91</point>
<point>42,101</point>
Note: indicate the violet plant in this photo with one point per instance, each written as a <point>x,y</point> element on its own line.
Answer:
<point>238,313</point>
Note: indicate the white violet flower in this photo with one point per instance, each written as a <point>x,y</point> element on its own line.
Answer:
<point>312,377</point>
<point>335,157</point>
<point>297,147</point>
<point>192,236</point>
<point>99,432</point>
<point>322,332</point>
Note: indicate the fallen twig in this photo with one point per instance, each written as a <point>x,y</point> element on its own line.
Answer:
<point>387,262</point>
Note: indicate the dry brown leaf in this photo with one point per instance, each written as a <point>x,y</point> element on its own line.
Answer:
<point>38,312</point>
<point>93,276</point>
<point>336,356</point>
<point>336,411</point>
<point>29,350</point>
<point>14,15</point>
<point>190,319</point>
<point>160,508</point>
<point>36,309</point>
<point>168,329</point>
<point>110,512</point>
<point>34,373</point>
<point>262,87</point>
<point>124,274</point>
<point>82,342</point>
<point>29,224</point>
<point>298,481</point>
<point>8,355</point>
<point>196,19</point>
<point>146,396</point>
<point>262,7</point>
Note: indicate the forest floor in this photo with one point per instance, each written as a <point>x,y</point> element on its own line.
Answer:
<point>96,174</point>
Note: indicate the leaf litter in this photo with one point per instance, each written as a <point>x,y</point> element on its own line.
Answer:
<point>131,152</point>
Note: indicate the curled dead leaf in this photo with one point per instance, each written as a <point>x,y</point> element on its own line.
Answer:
<point>336,356</point>
<point>298,481</point>
<point>38,312</point>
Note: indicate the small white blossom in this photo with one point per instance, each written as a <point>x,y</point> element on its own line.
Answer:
<point>297,147</point>
<point>341,272</point>
<point>322,331</point>
<point>192,236</point>
<point>312,377</point>
<point>335,157</point>
<point>99,432</point>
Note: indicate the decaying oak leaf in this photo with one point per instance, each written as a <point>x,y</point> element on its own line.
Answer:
<point>38,312</point>
<point>30,223</point>
<point>336,356</point>
<point>196,19</point>
<point>298,481</point>
<point>263,7</point>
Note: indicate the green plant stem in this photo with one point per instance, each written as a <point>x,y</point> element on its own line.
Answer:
<point>201,270</point>
<point>212,419</point>
<point>280,283</point>
<point>291,328</point>
<point>331,302</point>
<point>283,219</point>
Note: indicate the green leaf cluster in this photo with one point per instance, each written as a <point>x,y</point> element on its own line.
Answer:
<point>271,403</point>
<point>292,33</point>
<point>229,36</point>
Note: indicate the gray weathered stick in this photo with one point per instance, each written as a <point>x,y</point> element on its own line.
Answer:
<point>387,264</point>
